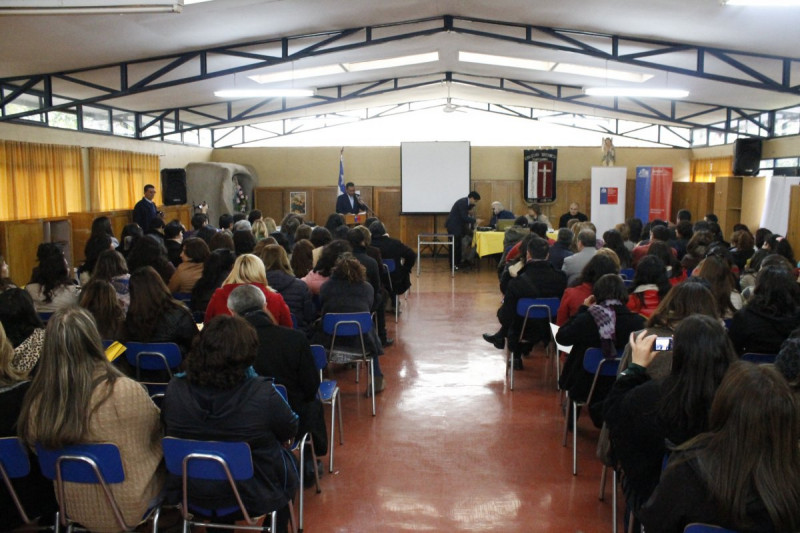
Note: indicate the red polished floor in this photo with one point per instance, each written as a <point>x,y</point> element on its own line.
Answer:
<point>451,448</point>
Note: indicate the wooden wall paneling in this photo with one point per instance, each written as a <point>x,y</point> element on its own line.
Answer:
<point>82,227</point>
<point>509,193</point>
<point>566,193</point>
<point>19,241</point>
<point>183,213</point>
<point>324,203</point>
<point>630,198</point>
<point>413,225</point>
<point>696,197</point>
<point>269,200</point>
<point>387,207</point>
<point>754,194</point>
<point>793,231</point>
<point>728,202</point>
<point>483,209</point>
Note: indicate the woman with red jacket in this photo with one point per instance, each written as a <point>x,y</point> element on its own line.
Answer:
<point>249,269</point>
<point>650,285</point>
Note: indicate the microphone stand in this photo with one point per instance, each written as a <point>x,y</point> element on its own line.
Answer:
<point>369,210</point>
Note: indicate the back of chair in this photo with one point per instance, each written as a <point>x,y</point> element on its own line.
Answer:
<point>538,308</point>
<point>153,356</point>
<point>320,357</point>
<point>347,324</point>
<point>627,273</point>
<point>595,363</point>
<point>184,297</point>
<point>760,358</point>
<point>210,460</point>
<point>14,463</point>
<point>391,266</point>
<point>705,528</point>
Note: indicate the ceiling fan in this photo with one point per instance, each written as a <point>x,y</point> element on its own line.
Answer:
<point>450,107</point>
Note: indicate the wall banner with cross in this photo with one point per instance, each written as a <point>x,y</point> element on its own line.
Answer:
<point>540,175</point>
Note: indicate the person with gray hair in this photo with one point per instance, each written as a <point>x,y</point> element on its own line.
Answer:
<point>587,247</point>
<point>285,355</point>
<point>500,213</point>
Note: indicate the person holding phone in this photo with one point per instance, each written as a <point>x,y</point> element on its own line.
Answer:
<point>642,413</point>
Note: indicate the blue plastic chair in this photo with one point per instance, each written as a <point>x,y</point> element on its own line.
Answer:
<point>44,316</point>
<point>627,273</point>
<point>595,363</point>
<point>351,325</point>
<point>760,358</point>
<point>299,446</point>
<point>705,528</point>
<point>184,297</point>
<point>217,461</point>
<point>14,464</point>
<point>390,266</point>
<point>531,309</point>
<point>328,394</point>
<point>153,356</point>
<point>99,464</point>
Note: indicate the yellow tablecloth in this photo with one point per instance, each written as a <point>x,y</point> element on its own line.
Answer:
<point>488,242</point>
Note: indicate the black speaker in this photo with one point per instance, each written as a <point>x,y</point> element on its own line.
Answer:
<point>173,186</point>
<point>746,157</point>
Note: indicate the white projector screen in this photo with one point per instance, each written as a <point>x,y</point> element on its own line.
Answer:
<point>433,175</point>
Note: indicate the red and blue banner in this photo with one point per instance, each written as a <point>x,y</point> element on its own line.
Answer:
<point>653,193</point>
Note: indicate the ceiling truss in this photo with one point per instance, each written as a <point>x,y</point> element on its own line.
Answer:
<point>759,71</point>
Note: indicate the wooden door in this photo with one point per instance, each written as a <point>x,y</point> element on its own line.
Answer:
<point>387,207</point>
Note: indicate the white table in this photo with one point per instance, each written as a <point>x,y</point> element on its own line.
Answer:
<point>437,239</point>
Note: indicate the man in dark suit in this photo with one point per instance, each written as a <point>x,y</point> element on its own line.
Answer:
<point>460,218</point>
<point>403,257</point>
<point>349,202</point>
<point>145,209</point>
<point>572,213</point>
<point>537,279</point>
<point>285,355</point>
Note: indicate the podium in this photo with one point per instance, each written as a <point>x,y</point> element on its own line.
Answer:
<point>354,220</point>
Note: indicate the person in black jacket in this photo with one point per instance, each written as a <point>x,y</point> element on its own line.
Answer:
<point>460,218</point>
<point>641,413</point>
<point>216,400</point>
<point>404,257</point>
<point>357,241</point>
<point>536,279</point>
<point>770,316</point>
<point>281,278</point>
<point>285,355</point>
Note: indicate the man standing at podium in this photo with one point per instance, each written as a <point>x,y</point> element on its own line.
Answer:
<point>145,209</point>
<point>349,202</point>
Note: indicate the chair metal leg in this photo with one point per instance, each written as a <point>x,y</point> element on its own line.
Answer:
<point>396,308</point>
<point>574,438</point>
<point>566,422</point>
<point>509,366</point>
<point>602,496</point>
<point>333,429</point>
<point>372,382</point>
<point>156,515</point>
<point>614,501</point>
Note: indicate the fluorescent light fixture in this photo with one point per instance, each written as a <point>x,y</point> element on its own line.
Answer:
<point>504,61</point>
<point>600,72</point>
<point>636,91</point>
<point>301,73</point>
<point>263,93</point>
<point>762,3</point>
<point>391,62</point>
<point>88,7</point>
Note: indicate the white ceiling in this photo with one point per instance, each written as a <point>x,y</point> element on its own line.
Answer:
<point>50,44</point>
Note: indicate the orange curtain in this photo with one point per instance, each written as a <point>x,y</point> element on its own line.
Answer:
<point>39,180</point>
<point>118,178</point>
<point>708,170</point>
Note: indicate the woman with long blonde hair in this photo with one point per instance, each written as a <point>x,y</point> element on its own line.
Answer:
<point>78,397</point>
<point>248,269</point>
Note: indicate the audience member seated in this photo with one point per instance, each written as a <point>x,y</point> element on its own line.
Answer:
<point>173,241</point>
<point>512,244</point>
<point>112,267</point>
<point>650,286</point>
<point>93,402</point>
<point>404,257</point>
<point>248,269</point>
<point>216,268</point>
<point>303,231</point>
<point>5,279</point>
<point>149,251</point>
<point>259,230</point>
<point>154,315</point>
<point>635,229</point>
<point>642,413</point>
<point>658,232</point>
<point>198,221</point>
<point>285,355</point>
<point>537,279</point>
<point>597,267</point>
<point>612,239</point>
<point>194,254</point>
<point>295,293</point>
<point>770,316</point>
<point>23,328</point>
<point>602,322</point>
<point>499,213</point>
<point>322,270</point>
<point>561,249</point>
<point>96,245</point>
<point>320,236</point>
<point>51,286</point>
<point>255,215</point>
<point>244,241</point>
<point>742,248</point>
<point>288,228</point>
<point>100,299</point>
<point>217,400</point>
<point>788,362</point>
<point>222,239</point>
<point>587,247</point>
<point>358,240</point>
<point>674,270</point>
<point>302,261</point>
<point>347,291</point>
<point>696,250</point>
<point>743,473</point>
<point>535,214</point>
<point>717,271</point>
<point>34,490</point>
<point>130,234</point>
<point>683,234</point>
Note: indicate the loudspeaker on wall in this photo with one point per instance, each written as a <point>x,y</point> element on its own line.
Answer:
<point>746,157</point>
<point>173,186</point>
